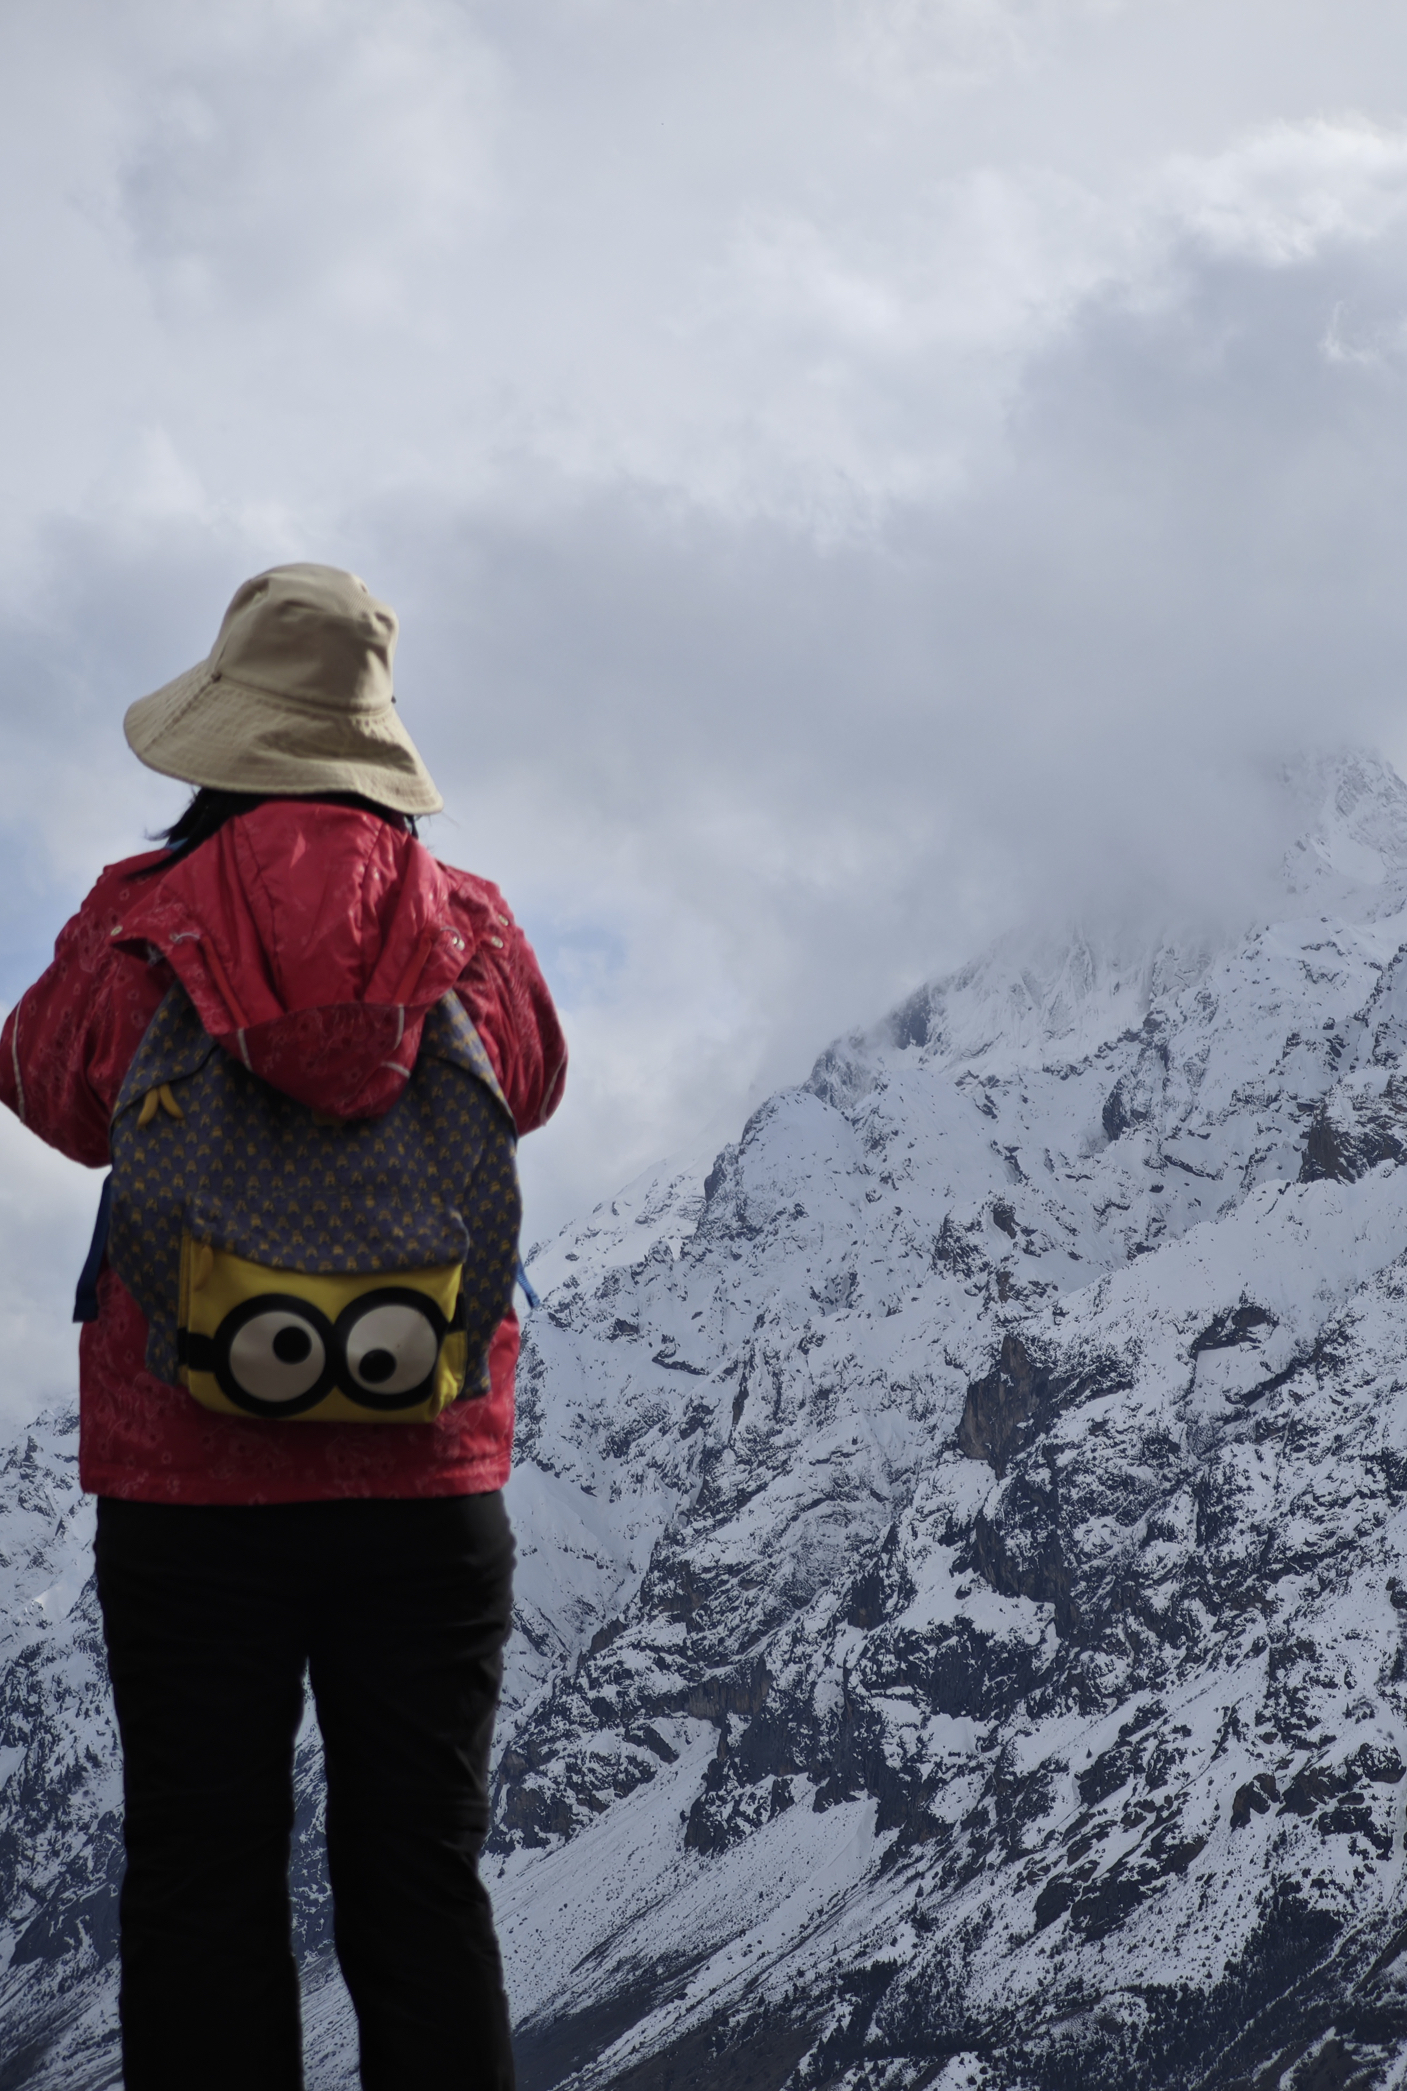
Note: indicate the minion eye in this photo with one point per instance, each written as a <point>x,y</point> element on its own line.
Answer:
<point>391,1343</point>
<point>272,1355</point>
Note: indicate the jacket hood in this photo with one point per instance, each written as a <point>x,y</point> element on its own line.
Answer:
<point>312,941</point>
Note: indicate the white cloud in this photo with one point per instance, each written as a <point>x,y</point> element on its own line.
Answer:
<point>1282,194</point>
<point>901,45</point>
<point>847,478</point>
<point>47,1209</point>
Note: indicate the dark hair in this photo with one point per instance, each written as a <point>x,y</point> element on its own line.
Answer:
<point>210,809</point>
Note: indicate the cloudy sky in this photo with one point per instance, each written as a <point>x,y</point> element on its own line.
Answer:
<point>854,474</point>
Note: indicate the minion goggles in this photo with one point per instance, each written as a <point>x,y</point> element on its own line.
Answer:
<point>251,1340</point>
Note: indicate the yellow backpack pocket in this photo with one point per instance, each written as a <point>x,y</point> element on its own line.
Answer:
<point>384,1347</point>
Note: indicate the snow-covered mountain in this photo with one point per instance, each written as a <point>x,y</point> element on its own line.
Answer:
<point>963,1604</point>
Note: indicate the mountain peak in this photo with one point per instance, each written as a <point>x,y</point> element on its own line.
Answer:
<point>1043,992</point>
<point>1352,808</point>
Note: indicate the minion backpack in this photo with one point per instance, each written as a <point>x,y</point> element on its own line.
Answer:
<point>296,1266</point>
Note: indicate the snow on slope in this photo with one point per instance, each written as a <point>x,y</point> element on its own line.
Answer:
<point>1016,1448</point>
<point>964,1536</point>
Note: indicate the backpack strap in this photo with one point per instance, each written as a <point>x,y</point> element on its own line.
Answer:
<point>85,1303</point>
<point>450,1035</point>
<point>175,1044</point>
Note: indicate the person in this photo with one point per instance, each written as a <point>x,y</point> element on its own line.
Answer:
<point>294,919</point>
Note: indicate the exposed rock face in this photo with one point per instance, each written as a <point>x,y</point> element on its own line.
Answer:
<point>1363,1121</point>
<point>964,1557</point>
<point>1013,1404</point>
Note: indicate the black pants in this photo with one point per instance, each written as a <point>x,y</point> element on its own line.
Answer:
<point>398,1611</point>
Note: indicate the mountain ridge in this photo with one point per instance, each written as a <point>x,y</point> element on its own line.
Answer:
<point>963,1539</point>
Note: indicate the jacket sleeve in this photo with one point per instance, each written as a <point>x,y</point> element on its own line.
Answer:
<point>503,990</point>
<point>69,1040</point>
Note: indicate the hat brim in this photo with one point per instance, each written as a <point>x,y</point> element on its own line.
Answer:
<point>208,728</point>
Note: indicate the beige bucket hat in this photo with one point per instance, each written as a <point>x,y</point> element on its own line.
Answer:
<point>294,698</point>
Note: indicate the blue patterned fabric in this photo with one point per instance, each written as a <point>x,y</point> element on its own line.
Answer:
<point>434,1181</point>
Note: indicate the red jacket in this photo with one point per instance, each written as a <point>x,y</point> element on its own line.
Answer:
<point>312,940</point>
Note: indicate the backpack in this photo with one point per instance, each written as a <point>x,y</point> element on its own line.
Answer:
<point>296,1266</point>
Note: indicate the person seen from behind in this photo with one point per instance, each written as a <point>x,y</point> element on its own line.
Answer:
<point>307,1049</point>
